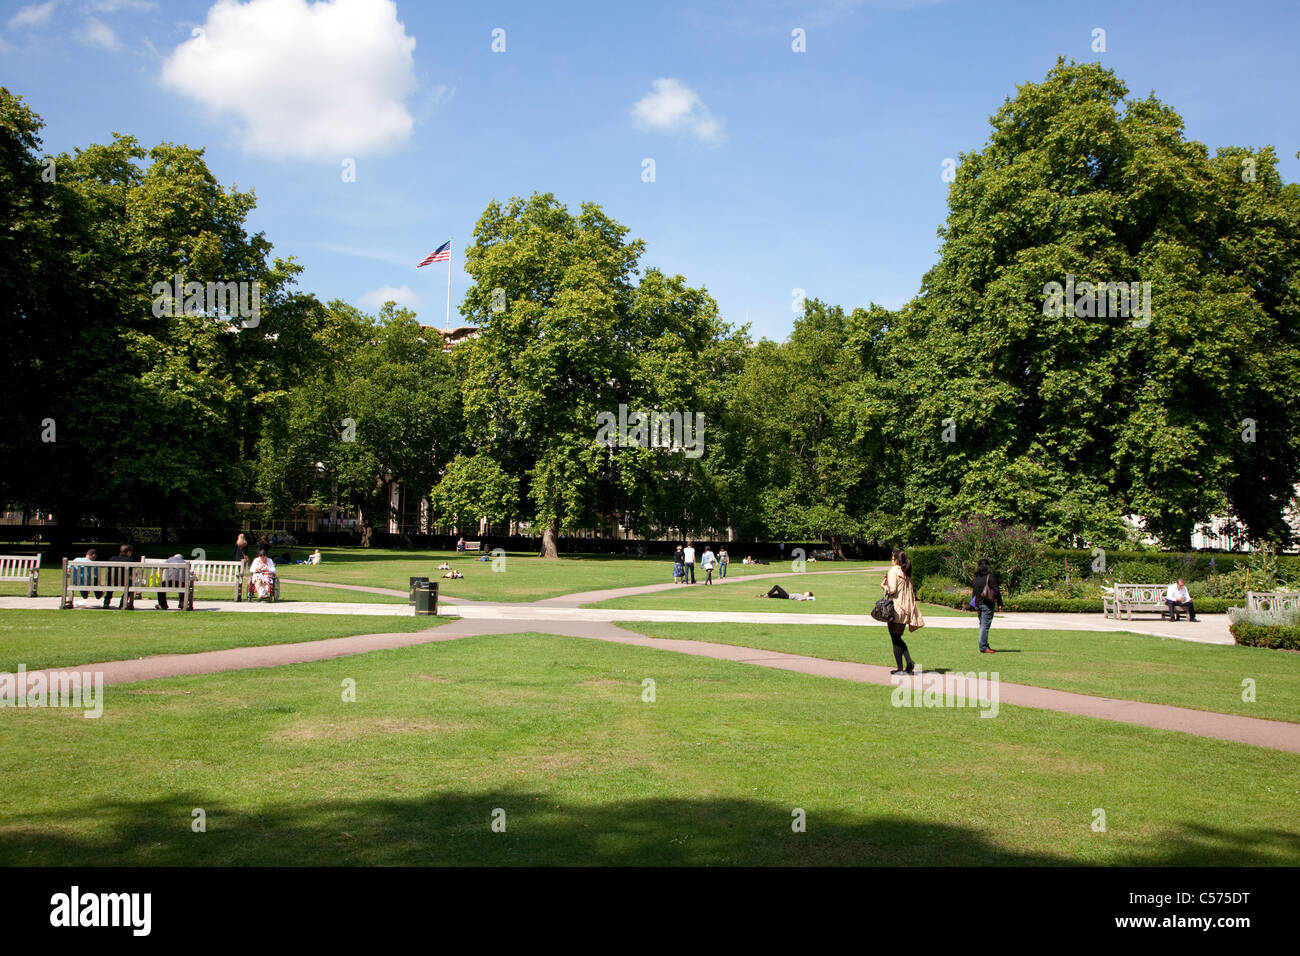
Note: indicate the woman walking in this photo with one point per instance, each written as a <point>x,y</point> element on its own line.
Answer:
<point>679,566</point>
<point>985,591</point>
<point>898,587</point>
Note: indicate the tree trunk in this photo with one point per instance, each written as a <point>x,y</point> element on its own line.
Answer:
<point>549,536</point>
<point>837,546</point>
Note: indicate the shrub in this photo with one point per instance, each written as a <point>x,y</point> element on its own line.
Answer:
<point>1013,550</point>
<point>1275,636</point>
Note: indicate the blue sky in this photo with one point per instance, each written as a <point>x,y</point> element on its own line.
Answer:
<point>774,170</point>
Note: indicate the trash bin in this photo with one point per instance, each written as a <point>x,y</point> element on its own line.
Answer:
<point>426,597</point>
<point>414,583</point>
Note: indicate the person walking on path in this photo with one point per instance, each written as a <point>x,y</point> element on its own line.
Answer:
<point>689,555</point>
<point>679,566</point>
<point>723,560</point>
<point>986,595</point>
<point>897,586</point>
<point>707,563</point>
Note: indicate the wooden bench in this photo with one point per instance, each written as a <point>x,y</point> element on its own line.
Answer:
<point>131,578</point>
<point>473,545</point>
<point>23,568</point>
<point>1130,599</point>
<point>229,574</point>
<point>1272,601</point>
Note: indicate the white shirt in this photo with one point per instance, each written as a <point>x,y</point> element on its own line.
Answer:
<point>689,554</point>
<point>1176,594</point>
<point>801,597</point>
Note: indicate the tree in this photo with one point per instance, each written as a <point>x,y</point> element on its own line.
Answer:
<point>568,334</point>
<point>1010,402</point>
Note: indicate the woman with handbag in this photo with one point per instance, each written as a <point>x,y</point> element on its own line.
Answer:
<point>906,615</point>
<point>985,595</point>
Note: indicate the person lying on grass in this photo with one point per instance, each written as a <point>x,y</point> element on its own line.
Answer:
<point>777,591</point>
<point>453,573</point>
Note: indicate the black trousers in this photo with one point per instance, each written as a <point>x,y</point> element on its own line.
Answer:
<point>1174,606</point>
<point>690,570</point>
<point>896,631</point>
<point>778,592</point>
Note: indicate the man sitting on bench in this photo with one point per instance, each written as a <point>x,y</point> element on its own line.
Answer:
<point>1175,597</point>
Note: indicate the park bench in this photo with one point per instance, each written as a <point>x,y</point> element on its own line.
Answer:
<point>130,578</point>
<point>1129,599</point>
<point>229,574</point>
<point>473,545</point>
<point>1272,600</point>
<point>25,568</point>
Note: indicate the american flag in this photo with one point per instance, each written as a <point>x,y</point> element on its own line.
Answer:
<point>441,254</point>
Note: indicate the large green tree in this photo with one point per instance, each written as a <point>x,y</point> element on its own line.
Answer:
<point>995,401</point>
<point>569,332</point>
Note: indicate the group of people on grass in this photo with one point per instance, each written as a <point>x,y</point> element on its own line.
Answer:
<point>684,564</point>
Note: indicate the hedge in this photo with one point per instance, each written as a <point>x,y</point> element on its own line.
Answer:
<point>927,559</point>
<point>1279,637</point>
<point>1046,603</point>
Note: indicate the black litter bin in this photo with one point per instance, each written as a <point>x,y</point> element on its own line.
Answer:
<point>426,597</point>
<point>414,583</point>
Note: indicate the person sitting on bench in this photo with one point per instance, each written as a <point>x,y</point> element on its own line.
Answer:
<point>1176,596</point>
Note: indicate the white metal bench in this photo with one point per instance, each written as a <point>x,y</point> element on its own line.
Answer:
<point>229,574</point>
<point>132,578</point>
<point>21,567</point>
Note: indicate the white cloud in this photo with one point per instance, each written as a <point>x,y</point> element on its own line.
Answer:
<point>672,105</point>
<point>32,15</point>
<point>315,81</point>
<point>98,33</point>
<point>402,295</point>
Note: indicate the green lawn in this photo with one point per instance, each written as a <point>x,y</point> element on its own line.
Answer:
<point>58,638</point>
<point>1121,665</point>
<point>835,594</point>
<point>554,732</point>
<point>525,577</point>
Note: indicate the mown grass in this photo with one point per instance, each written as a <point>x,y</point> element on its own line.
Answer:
<point>835,593</point>
<point>57,638</point>
<point>524,577</point>
<point>554,733</point>
<point>1107,664</point>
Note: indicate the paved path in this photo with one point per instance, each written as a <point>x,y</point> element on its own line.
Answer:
<point>564,616</point>
<point>1274,735</point>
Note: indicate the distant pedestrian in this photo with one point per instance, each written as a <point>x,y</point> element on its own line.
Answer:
<point>707,563</point>
<point>688,555</point>
<point>897,585</point>
<point>987,595</point>
<point>679,566</point>
<point>724,559</point>
<point>241,549</point>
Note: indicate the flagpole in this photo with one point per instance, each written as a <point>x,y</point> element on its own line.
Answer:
<point>447,321</point>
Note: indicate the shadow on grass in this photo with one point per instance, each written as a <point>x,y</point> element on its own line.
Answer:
<point>456,828</point>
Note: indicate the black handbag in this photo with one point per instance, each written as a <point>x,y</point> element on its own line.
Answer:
<point>884,610</point>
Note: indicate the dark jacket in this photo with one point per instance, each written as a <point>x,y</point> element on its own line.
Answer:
<point>977,587</point>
